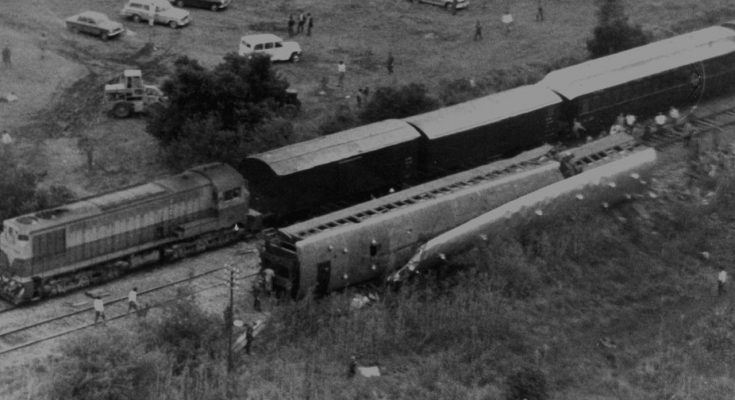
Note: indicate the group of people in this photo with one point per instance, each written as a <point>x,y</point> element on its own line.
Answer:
<point>263,285</point>
<point>99,306</point>
<point>297,27</point>
<point>629,124</point>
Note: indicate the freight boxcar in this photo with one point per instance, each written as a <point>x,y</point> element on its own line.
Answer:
<point>473,133</point>
<point>304,176</point>
<point>98,238</point>
<point>678,71</point>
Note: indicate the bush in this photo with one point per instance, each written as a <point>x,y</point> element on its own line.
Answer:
<point>400,102</point>
<point>187,332</point>
<point>19,190</point>
<point>109,366</point>
<point>527,383</point>
<point>613,32</point>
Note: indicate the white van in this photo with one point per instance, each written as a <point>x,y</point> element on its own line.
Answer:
<point>160,11</point>
<point>270,44</point>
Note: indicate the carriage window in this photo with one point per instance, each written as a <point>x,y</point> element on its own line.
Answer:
<point>23,238</point>
<point>231,194</point>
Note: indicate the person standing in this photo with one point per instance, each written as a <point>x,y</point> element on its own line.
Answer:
<point>389,63</point>
<point>249,336</point>
<point>6,57</point>
<point>507,20</point>
<point>352,367</point>
<point>478,31</point>
<point>99,310</point>
<point>268,275</point>
<point>341,71</point>
<point>540,12</point>
<point>309,24</point>
<point>133,300</point>
<point>721,281</point>
<point>302,22</point>
<point>291,24</point>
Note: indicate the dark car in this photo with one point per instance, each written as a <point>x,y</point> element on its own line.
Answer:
<point>213,5</point>
<point>94,23</point>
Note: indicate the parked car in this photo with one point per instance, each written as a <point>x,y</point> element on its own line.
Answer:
<point>160,11</point>
<point>94,23</point>
<point>270,44</point>
<point>214,5</point>
<point>446,3</point>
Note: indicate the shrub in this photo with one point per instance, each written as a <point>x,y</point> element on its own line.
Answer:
<point>526,383</point>
<point>109,366</point>
<point>613,32</point>
<point>397,102</point>
<point>186,332</point>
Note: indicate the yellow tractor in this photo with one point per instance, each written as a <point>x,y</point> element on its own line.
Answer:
<point>127,94</point>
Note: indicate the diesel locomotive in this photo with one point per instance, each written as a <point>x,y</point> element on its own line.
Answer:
<point>98,238</point>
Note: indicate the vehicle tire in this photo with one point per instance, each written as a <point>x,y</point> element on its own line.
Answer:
<point>122,110</point>
<point>104,36</point>
<point>294,58</point>
<point>180,3</point>
<point>214,8</point>
<point>173,24</point>
<point>136,18</point>
<point>447,5</point>
<point>73,30</point>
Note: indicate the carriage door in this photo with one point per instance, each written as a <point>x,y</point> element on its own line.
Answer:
<point>323,273</point>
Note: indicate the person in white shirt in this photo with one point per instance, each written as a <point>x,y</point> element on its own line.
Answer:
<point>721,280</point>
<point>133,300</point>
<point>660,119</point>
<point>507,20</point>
<point>99,309</point>
<point>341,70</point>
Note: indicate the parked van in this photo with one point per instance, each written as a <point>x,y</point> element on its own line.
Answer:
<point>270,44</point>
<point>160,11</point>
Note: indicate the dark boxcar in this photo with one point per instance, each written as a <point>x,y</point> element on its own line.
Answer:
<point>304,176</point>
<point>52,251</point>
<point>473,133</point>
<point>678,71</point>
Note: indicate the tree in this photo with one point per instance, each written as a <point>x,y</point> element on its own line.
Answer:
<point>400,102</point>
<point>221,114</point>
<point>614,33</point>
<point>20,192</point>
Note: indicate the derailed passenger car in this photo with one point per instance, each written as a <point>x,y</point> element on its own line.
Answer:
<point>595,189</point>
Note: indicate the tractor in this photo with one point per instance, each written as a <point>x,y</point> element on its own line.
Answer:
<point>127,94</point>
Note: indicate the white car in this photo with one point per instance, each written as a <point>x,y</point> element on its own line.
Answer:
<point>270,44</point>
<point>448,4</point>
<point>160,11</point>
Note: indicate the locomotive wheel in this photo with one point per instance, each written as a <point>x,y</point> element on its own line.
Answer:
<point>122,110</point>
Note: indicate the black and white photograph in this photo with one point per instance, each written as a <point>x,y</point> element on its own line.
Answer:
<point>367,199</point>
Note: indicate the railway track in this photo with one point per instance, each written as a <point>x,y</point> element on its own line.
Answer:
<point>62,325</point>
